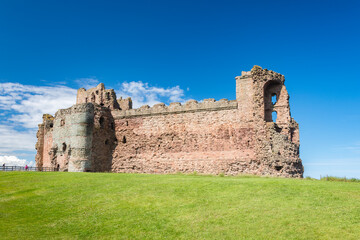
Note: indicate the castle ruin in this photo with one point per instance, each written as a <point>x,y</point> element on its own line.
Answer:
<point>101,133</point>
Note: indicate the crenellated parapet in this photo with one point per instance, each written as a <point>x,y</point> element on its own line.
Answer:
<point>176,108</point>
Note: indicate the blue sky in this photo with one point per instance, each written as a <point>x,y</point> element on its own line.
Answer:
<point>185,50</point>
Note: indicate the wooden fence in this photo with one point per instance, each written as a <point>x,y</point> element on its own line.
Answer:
<point>31,169</point>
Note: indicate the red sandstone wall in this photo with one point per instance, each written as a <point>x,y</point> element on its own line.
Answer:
<point>39,146</point>
<point>205,142</point>
<point>45,141</point>
<point>48,141</point>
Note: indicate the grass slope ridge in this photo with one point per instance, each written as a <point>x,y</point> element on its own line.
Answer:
<point>37,205</point>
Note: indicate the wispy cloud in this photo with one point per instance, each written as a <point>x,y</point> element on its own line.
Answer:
<point>355,147</point>
<point>143,94</point>
<point>87,82</point>
<point>335,162</point>
<point>349,167</point>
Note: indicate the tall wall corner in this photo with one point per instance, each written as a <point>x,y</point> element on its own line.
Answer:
<point>44,140</point>
<point>245,95</point>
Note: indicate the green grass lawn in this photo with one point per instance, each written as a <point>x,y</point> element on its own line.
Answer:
<point>35,205</point>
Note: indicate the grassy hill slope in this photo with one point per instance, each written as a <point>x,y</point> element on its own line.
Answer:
<point>59,205</point>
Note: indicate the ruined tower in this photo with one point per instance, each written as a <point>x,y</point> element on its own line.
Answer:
<point>253,134</point>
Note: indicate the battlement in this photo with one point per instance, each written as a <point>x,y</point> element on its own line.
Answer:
<point>176,107</point>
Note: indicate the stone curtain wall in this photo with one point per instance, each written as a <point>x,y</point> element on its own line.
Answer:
<point>205,142</point>
<point>102,133</point>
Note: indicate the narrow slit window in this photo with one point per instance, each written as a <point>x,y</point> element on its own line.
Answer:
<point>274,116</point>
<point>273,99</point>
<point>101,122</point>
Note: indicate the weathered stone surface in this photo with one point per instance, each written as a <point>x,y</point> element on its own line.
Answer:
<point>101,133</point>
<point>98,95</point>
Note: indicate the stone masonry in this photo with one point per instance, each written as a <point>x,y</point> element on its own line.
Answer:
<point>101,133</point>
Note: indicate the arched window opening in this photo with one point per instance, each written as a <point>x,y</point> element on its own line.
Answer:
<point>97,92</point>
<point>64,147</point>
<point>274,116</point>
<point>86,100</point>
<point>124,139</point>
<point>273,98</point>
<point>101,122</point>
<point>62,122</point>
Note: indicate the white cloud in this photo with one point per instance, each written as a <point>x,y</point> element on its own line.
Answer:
<point>143,94</point>
<point>14,161</point>
<point>12,140</point>
<point>26,104</point>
